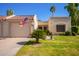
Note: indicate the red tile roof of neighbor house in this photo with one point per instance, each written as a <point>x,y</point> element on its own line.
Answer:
<point>22,17</point>
<point>17,17</point>
<point>2,17</point>
<point>60,17</point>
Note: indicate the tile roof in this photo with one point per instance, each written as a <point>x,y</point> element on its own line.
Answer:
<point>2,17</point>
<point>60,17</point>
<point>21,17</point>
<point>17,17</point>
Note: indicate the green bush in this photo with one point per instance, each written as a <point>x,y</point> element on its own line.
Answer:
<point>74,34</point>
<point>38,34</point>
<point>47,32</point>
<point>74,29</point>
<point>67,33</point>
<point>78,30</point>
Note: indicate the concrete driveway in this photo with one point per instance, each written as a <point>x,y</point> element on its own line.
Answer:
<point>10,46</point>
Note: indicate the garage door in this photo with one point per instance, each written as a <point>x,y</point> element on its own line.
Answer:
<point>17,31</point>
<point>0,28</point>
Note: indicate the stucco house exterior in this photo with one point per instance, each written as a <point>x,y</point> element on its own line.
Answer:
<point>10,26</point>
<point>58,25</point>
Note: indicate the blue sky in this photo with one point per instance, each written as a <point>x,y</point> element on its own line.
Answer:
<point>41,9</point>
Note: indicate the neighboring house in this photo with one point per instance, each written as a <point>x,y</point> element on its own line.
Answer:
<point>56,25</point>
<point>11,26</point>
<point>43,25</point>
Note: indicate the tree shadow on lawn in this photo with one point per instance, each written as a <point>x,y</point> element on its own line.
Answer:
<point>27,43</point>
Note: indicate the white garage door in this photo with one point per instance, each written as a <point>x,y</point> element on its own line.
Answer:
<point>17,31</point>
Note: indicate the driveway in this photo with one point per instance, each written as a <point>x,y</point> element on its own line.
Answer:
<point>10,46</point>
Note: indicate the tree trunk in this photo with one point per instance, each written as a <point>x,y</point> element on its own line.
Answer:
<point>37,40</point>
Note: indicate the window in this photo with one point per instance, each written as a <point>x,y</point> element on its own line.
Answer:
<point>60,28</point>
<point>39,27</point>
<point>45,28</point>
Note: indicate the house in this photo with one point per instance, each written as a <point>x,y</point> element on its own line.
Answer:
<point>23,26</point>
<point>43,25</point>
<point>56,25</point>
<point>10,25</point>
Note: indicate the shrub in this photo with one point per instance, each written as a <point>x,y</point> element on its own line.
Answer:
<point>47,32</point>
<point>74,34</point>
<point>78,30</point>
<point>38,34</point>
<point>67,33</point>
<point>50,33</point>
<point>74,29</point>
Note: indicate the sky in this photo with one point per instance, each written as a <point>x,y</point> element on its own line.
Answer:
<point>42,10</point>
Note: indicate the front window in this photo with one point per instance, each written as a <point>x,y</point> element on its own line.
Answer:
<point>60,28</point>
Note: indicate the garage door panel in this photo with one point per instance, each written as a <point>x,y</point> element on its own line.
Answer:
<point>0,28</point>
<point>17,31</point>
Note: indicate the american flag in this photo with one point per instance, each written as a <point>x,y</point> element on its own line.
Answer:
<point>22,22</point>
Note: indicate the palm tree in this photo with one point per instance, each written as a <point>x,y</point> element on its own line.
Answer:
<point>78,18</point>
<point>10,12</point>
<point>52,9</point>
<point>72,9</point>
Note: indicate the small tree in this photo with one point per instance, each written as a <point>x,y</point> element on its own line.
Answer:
<point>38,34</point>
<point>47,32</point>
<point>10,12</point>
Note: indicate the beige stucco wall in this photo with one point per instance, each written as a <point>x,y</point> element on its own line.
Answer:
<point>35,22</point>
<point>5,29</point>
<point>0,29</point>
<point>11,28</point>
<point>59,20</point>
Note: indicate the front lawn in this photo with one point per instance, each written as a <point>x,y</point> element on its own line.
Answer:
<point>60,46</point>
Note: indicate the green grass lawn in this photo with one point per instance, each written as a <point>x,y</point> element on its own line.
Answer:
<point>60,46</point>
